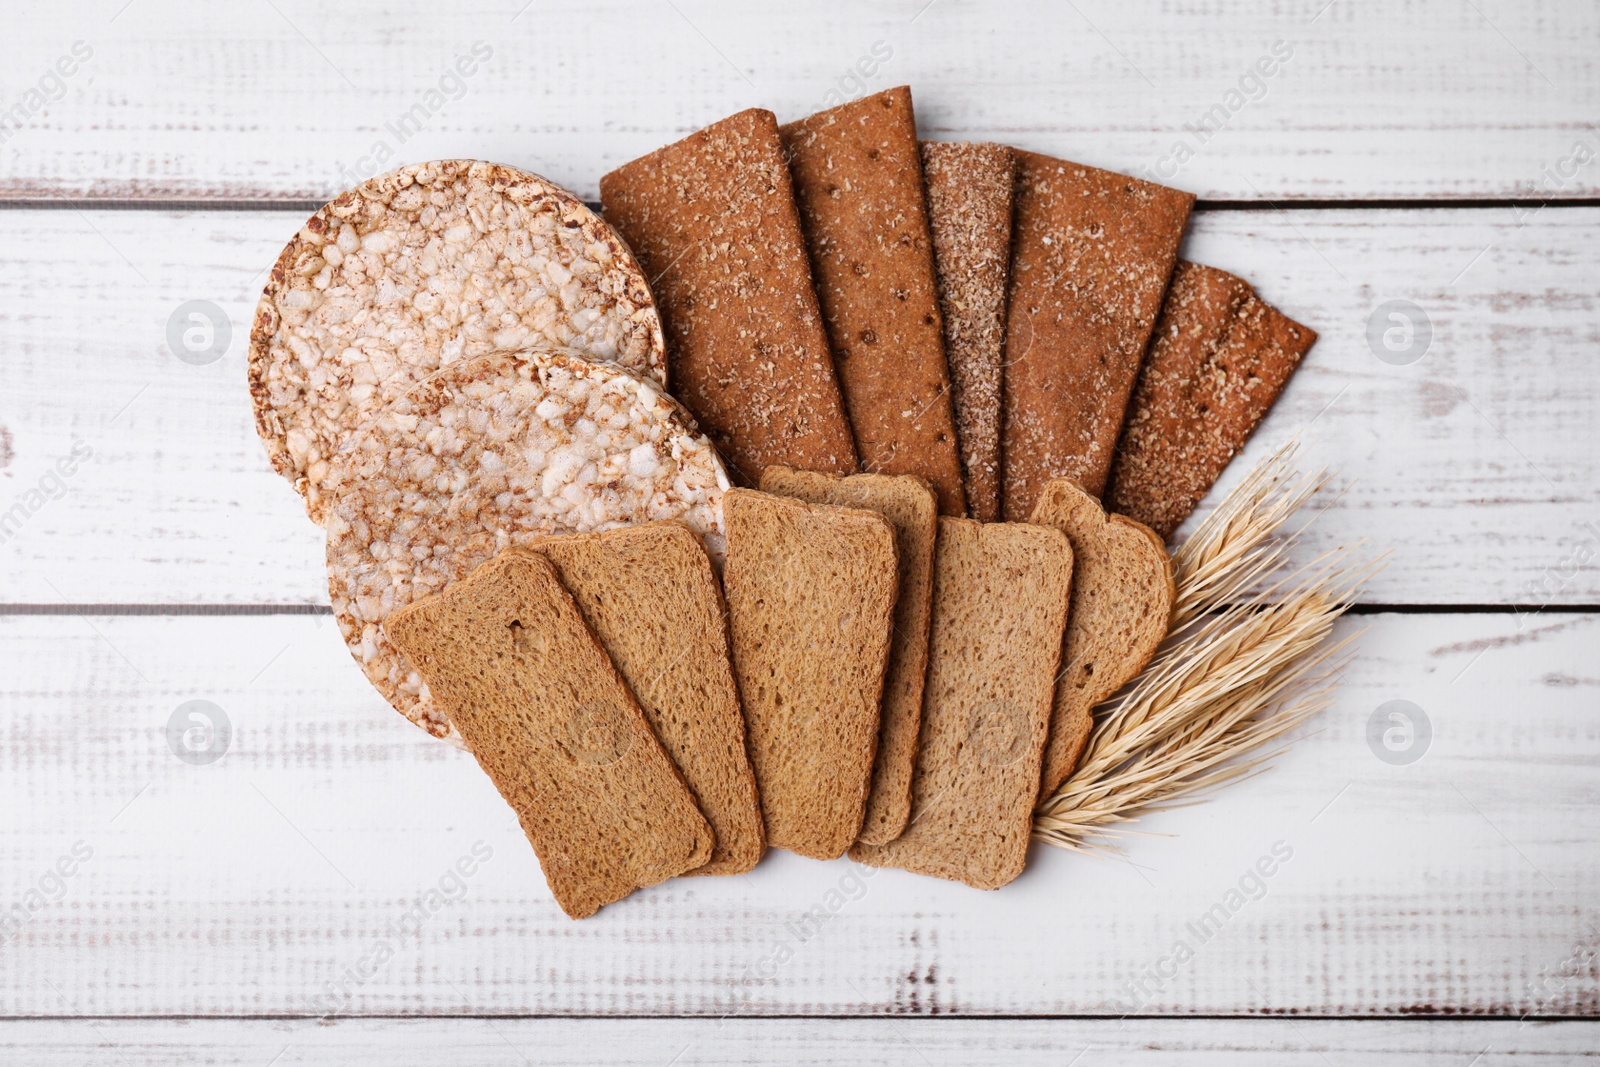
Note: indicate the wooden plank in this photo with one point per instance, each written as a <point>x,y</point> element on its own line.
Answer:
<point>1468,463</point>
<point>298,100</point>
<point>291,876</point>
<point>651,1042</point>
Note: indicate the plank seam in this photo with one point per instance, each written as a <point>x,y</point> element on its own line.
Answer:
<point>179,610</point>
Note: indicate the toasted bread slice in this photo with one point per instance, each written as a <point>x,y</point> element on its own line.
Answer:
<point>912,508</point>
<point>649,594</point>
<point>811,595</point>
<point>1122,594</point>
<point>507,654</point>
<point>999,608</point>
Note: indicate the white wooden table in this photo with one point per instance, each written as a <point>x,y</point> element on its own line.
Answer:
<point>275,902</point>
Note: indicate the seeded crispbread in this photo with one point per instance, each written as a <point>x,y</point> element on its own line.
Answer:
<point>811,595</point>
<point>1219,359</point>
<point>999,606</point>
<point>858,184</point>
<point>507,652</point>
<point>651,597</point>
<point>912,508</point>
<point>491,452</point>
<point>417,268</point>
<point>1122,594</point>
<point>969,211</point>
<point>1092,252</point>
<point>713,220</point>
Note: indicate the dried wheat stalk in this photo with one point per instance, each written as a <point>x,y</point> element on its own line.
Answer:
<point>1239,668</point>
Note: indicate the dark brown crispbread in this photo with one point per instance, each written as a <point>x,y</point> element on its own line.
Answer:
<point>713,221</point>
<point>811,594</point>
<point>1122,594</point>
<point>969,211</point>
<point>649,594</point>
<point>858,184</point>
<point>1218,361</point>
<point>506,652</point>
<point>912,508</point>
<point>999,607</point>
<point>1091,255</point>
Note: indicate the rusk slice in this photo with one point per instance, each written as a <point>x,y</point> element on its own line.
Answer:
<point>649,594</point>
<point>858,183</point>
<point>969,211</point>
<point>507,653</point>
<point>415,269</point>
<point>492,452</point>
<point>712,219</point>
<point>912,508</point>
<point>1122,594</point>
<point>1218,361</point>
<point>999,606</point>
<point>1092,252</point>
<point>811,595</point>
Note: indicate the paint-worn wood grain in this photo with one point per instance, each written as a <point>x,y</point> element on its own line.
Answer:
<point>1418,98</point>
<point>1474,465</point>
<point>292,875</point>
<point>867,1042</point>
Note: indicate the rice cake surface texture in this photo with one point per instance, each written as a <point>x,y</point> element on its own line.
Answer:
<point>1219,359</point>
<point>415,269</point>
<point>912,508</point>
<point>492,452</point>
<point>858,182</point>
<point>811,595</point>
<point>650,595</point>
<point>969,211</point>
<point>1092,253</point>
<point>1122,596</point>
<point>999,607</point>
<point>712,219</point>
<point>552,723</point>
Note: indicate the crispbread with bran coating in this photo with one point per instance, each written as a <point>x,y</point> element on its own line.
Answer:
<point>712,219</point>
<point>999,606</point>
<point>1219,359</point>
<point>858,184</point>
<point>811,594</point>
<point>507,652</point>
<point>1122,596</point>
<point>1092,252</point>
<point>912,508</point>
<point>651,597</point>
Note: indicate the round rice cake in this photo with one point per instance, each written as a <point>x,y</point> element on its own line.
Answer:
<point>495,451</point>
<point>420,267</point>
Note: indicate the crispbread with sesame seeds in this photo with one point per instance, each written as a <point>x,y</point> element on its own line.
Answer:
<point>713,220</point>
<point>417,268</point>
<point>1219,359</point>
<point>858,183</point>
<point>1092,253</point>
<point>553,724</point>
<point>969,211</point>
<point>490,452</point>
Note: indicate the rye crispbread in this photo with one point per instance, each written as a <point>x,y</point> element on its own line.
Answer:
<point>858,184</point>
<point>508,654</point>
<point>912,508</point>
<point>1219,359</point>
<point>811,595</point>
<point>969,211</point>
<point>420,267</point>
<point>650,595</point>
<point>999,606</point>
<point>1122,594</point>
<point>712,219</point>
<point>491,452</point>
<point>1091,255</point>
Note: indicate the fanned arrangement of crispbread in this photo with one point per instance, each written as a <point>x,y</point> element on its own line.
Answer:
<point>522,426</point>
